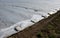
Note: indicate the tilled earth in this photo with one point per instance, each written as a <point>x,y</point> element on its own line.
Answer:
<point>46,28</point>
